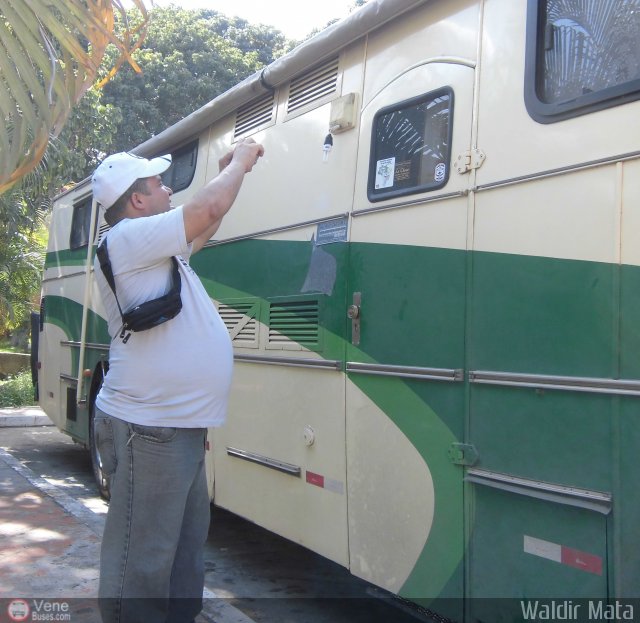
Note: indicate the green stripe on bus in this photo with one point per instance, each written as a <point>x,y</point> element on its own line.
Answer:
<point>67,315</point>
<point>66,257</point>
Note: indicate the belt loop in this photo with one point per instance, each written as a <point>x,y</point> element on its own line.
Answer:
<point>132,433</point>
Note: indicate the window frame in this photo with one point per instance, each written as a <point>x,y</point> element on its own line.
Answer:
<point>544,112</point>
<point>374,196</point>
<point>76,229</point>
<point>191,147</point>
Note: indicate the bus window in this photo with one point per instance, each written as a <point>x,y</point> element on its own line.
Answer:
<point>183,167</point>
<point>410,146</point>
<point>581,56</point>
<point>80,224</point>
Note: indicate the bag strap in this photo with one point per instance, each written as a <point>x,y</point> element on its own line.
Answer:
<point>105,265</point>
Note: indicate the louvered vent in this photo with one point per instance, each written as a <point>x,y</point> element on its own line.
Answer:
<point>255,114</point>
<point>240,320</point>
<point>104,228</point>
<point>294,324</point>
<point>314,85</point>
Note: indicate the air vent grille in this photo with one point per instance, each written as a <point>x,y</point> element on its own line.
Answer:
<point>254,115</point>
<point>240,320</point>
<point>104,228</point>
<point>314,85</point>
<point>294,323</point>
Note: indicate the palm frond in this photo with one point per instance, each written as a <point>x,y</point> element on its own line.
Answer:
<point>50,52</point>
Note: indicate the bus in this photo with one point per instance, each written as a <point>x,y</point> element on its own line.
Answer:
<point>432,285</point>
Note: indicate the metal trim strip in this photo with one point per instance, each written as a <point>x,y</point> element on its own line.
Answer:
<point>280,466</point>
<point>408,204</point>
<point>275,230</point>
<point>91,345</point>
<point>65,276</point>
<point>621,387</point>
<point>592,164</point>
<point>598,501</point>
<point>409,372</point>
<point>324,364</point>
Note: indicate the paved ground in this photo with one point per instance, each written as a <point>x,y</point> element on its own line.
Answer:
<point>50,544</point>
<point>46,551</point>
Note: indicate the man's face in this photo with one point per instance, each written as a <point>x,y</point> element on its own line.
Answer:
<point>158,199</point>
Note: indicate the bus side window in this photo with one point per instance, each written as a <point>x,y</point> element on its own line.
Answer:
<point>411,145</point>
<point>581,57</point>
<point>80,224</point>
<point>183,167</point>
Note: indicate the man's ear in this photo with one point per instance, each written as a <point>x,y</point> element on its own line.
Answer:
<point>137,202</point>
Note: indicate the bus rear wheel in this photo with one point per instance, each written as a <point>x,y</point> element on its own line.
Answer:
<point>101,479</point>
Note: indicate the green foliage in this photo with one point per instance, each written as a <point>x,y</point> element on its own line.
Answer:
<point>17,391</point>
<point>7,347</point>
<point>187,59</point>
<point>22,245</point>
<point>86,138</point>
<point>23,208</point>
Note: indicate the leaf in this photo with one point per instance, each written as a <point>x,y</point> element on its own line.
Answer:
<point>50,52</point>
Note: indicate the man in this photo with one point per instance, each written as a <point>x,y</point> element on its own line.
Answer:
<point>164,387</point>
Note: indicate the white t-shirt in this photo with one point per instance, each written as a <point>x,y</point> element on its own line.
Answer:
<point>178,373</point>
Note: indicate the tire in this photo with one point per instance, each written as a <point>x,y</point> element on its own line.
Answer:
<point>102,481</point>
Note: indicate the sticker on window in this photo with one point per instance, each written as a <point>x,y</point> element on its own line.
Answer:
<point>403,171</point>
<point>441,172</point>
<point>384,172</point>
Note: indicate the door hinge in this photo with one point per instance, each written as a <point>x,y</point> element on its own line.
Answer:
<point>463,454</point>
<point>469,160</point>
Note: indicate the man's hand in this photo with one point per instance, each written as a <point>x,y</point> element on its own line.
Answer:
<point>247,151</point>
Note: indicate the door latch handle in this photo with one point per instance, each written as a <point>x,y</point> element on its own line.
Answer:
<point>354,312</point>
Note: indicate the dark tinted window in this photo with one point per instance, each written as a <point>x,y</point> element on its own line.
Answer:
<point>81,224</point>
<point>411,145</point>
<point>183,167</point>
<point>582,55</point>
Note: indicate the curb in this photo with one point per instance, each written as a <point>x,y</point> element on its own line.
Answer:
<point>23,417</point>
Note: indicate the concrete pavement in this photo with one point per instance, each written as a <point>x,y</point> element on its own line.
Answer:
<point>50,545</point>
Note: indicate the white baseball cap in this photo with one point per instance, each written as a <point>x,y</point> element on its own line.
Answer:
<point>115,175</point>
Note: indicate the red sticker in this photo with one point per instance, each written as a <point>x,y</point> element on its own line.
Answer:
<point>315,479</point>
<point>582,560</point>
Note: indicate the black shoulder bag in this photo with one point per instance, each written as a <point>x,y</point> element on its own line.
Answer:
<point>151,313</point>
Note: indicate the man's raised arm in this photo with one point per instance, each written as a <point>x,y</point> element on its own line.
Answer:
<point>204,212</point>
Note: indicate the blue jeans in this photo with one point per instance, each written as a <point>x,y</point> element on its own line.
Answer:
<point>152,563</point>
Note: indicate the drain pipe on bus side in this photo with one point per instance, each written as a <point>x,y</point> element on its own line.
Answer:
<point>85,304</point>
